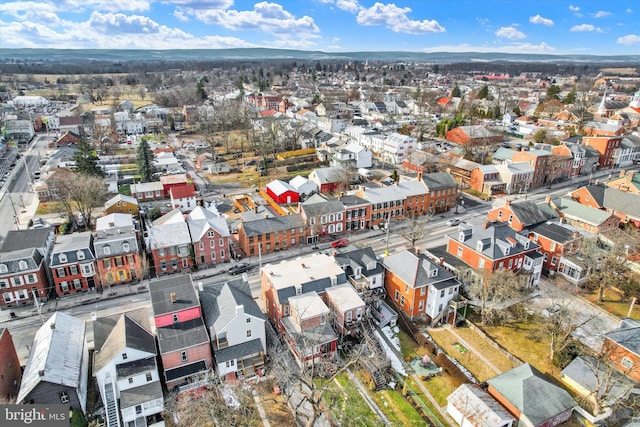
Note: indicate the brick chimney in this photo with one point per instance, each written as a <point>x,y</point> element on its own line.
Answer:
<point>622,173</point>
<point>630,174</point>
<point>508,202</point>
<point>547,199</point>
<point>419,176</point>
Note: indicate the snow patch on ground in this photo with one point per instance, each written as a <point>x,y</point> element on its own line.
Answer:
<point>391,334</point>
<point>230,398</point>
<point>395,362</point>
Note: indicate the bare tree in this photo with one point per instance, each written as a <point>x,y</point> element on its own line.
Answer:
<point>493,292</point>
<point>78,193</point>
<point>559,324</point>
<point>610,266</point>
<point>224,405</point>
<point>607,388</point>
<point>415,226</point>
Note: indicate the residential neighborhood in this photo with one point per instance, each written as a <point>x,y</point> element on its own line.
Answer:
<point>324,248</point>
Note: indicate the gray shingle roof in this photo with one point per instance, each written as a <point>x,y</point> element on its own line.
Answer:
<point>597,193</point>
<point>138,395</point>
<point>115,333</point>
<point>12,260</point>
<point>182,335</point>
<point>627,336</point>
<point>69,245</point>
<point>494,238</point>
<point>238,351</point>
<point>555,232</point>
<point>532,394</point>
<point>349,260</point>
<point>26,239</point>
<point>622,201</point>
<point>161,290</point>
<point>219,303</point>
<point>529,212</point>
<point>416,270</point>
<point>270,225</point>
<point>115,239</point>
<point>317,205</point>
<point>438,181</point>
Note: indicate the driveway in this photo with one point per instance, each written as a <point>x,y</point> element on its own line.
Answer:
<point>579,310</point>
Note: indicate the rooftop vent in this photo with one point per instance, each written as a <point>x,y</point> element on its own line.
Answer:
<point>172,297</point>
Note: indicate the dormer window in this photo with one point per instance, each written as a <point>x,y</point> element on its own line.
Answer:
<point>62,257</point>
<point>358,272</point>
<point>106,250</point>
<point>125,246</point>
<point>80,255</point>
<point>434,272</point>
<point>371,265</point>
<point>480,246</point>
<point>3,268</point>
<point>506,250</point>
<point>22,265</point>
<point>526,245</point>
<point>461,236</point>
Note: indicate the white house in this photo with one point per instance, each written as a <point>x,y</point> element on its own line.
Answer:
<point>353,155</point>
<point>517,176</point>
<point>125,369</point>
<point>167,161</point>
<point>471,406</point>
<point>237,329</point>
<point>398,147</point>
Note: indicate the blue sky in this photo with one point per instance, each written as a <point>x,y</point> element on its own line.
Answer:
<point>542,26</point>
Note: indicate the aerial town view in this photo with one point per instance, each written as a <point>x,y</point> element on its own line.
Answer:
<point>319,213</point>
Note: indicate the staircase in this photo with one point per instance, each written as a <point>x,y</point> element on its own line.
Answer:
<point>379,364</point>
<point>111,407</point>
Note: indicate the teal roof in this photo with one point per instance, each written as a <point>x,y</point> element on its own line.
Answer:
<point>571,208</point>
<point>503,153</point>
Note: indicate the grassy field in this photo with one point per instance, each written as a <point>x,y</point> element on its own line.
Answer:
<point>615,303</point>
<point>347,405</point>
<point>467,358</point>
<point>498,359</point>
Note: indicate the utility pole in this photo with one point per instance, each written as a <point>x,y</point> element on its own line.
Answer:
<point>386,228</point>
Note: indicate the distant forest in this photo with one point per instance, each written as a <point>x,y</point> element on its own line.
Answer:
<point>79,66</point>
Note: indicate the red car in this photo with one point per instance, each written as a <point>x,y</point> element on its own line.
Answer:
<point>340,243</point>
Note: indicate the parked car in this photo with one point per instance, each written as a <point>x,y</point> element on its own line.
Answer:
<point>453,221</point>
<point>240,267</point>
<point>340,243</point>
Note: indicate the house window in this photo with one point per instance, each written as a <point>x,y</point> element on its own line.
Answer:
<point>175,317</point>
<point>201,245</point>
<point>32,278</point>
<point>77,284</point>
<point>138,409</point>
<point>221,242</point>
<point>397,295</point>
<point>130,380</point>
<point>62,257</point>
<point>64,286</point>
<point>212,244</point>
<point>124,356</point>
<point>480,262</point>
<point>510,219</point>
<point>442,293</point>
<point>183,356</point>
<point>106,250</point>
<point>248,320</point>
<point>213,256</point>
<point>459,252</point>
<point>553,260</point>
<point>249,333</point>
<point>73,269</point>
<point>118,262</point>
<point>210,234</point>
<point>499,214</point>
<point>3,268</point>
<point>423,290</point>
<point>510,262</point>
<point>421,305</point>
<point>626,362</point>
<point>222,254</point>
<point>61,272</point>
<point>125,246</point>
<point>149,376</point>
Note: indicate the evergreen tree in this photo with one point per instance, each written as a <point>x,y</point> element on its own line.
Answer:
<point>483,93</point>
<point>86,160</point>
<point>571,97</point>
<point>456,92</point>
<point>144,160</point>
<point>552,92</point>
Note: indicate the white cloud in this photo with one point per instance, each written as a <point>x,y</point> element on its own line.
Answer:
<point>629,10</point>
<point>180,15</point>
<point>105,5</point>
<point>629,39</point>
<point>395,19</point>
<point>348,5</point>
<point>584,28</point>
<point>119,23</point>
<point>269,17</point>
<point>540,20</point>
<point>510,33</point>
<point>600,14</point>
<point>573,8</point>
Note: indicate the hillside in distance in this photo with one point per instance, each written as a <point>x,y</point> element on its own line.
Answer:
<point>263,54</point>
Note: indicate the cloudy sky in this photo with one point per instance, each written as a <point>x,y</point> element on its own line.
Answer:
<point>525,26</point>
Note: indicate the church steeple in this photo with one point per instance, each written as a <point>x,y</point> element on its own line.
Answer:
<point>602,108</point>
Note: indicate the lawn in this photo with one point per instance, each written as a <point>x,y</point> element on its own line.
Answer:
<point>347,405</point>
<point>468,359</point>
<point>498,359</point>
<point>615,303</point>
<point>396,408</point>
<point>440,387</point>
<point>523,341</point>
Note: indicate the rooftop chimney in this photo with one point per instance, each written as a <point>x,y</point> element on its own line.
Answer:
<point>419,176</point>
<point>53,325</point>
<point>239,309</point>
<point>522,149</point>
<point>172,297</point>
<point>441,261</point>
<point>622,173</point>
<point>597,182</point>
<point>547,198</point>
<point>508,202</point>
<point>630,174</point>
